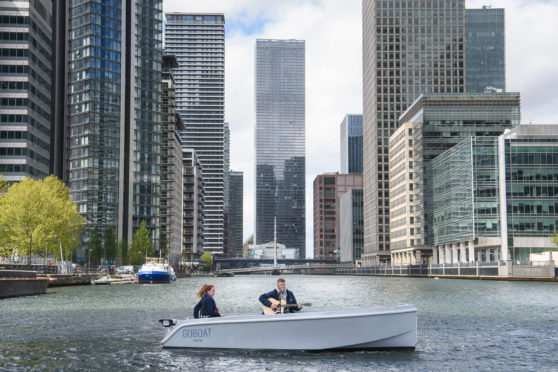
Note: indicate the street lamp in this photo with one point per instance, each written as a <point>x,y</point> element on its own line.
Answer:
<point>30,242</point>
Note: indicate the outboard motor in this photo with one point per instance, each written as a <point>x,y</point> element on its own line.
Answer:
<point>167,322</point>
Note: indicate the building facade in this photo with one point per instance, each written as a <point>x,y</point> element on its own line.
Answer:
<point>328,189</point>
<point>235,213</point>
<point>171,167</point>
<point>402,217</point>
<point>496,198</point>
<point>409,48</point>
<point>485,58</point>
<point>351,144</point>
<point>193,206</point>
<point>280,140</point>
<point>25,94</point>
<point>440,121</point>
<point>351,226</point>
<point>114,113</point>
<point>198,41</point>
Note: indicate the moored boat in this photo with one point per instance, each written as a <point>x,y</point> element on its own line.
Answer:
<point>356,328</point>
<point>155,271</point>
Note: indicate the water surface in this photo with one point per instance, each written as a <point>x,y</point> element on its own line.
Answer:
<point>462,325</point>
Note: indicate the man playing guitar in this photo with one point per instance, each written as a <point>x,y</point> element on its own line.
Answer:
<point>281,292</point>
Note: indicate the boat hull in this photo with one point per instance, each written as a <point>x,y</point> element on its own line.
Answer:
<point>356,329</point>
<point>154,277</point>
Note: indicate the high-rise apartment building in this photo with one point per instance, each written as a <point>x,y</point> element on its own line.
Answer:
<point>25,89</point>
<point>113,113</point>
<point>235,213</point>
<point>171,167</point>
<point>485,53</point>
<point>193,212</point>
<point>198,41</point>
<point>409,48</point>
<point>280,142</point>
<point>226,204</point>
<point>351,144</point>
<point>328,189</point>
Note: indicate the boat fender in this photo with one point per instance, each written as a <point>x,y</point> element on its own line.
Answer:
<point>167,322</point>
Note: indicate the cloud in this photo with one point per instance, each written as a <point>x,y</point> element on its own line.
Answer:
<point>333,33</point>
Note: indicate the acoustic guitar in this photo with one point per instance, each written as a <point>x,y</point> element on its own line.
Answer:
<point>282,307</point>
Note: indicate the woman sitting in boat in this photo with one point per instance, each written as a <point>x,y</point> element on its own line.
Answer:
<point>206,307</point>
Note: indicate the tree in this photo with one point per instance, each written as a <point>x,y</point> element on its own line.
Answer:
<point>123,257</point>
<point>208,260</point>
<point>141,245</point>
<point>163,249</point>
<point>95,247</point>
<point>111,246</point>
<point>554,239</point>
<point>3,186</point>
<point>39,213</point>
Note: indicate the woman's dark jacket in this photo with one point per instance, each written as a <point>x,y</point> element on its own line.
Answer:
<point>206,307</point>
<point>275,294</point>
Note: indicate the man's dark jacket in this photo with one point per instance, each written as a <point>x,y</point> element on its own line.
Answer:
<point>275,294</point>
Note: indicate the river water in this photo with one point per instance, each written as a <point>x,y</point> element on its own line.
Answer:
<point>462,325</point>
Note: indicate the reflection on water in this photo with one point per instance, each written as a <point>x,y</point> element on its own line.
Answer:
<point>463,325</point>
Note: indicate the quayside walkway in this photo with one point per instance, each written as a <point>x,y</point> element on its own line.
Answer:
<point>484,270</point>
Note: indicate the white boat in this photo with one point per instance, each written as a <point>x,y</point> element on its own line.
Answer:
<point>355,328</point>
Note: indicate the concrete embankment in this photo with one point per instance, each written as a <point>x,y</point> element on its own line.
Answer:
<point>61,280</point>
<point>21,283</point>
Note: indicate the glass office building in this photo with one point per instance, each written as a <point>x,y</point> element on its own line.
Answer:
<point>350,229</point>
<point>485,57</point>
<point>198,42</point>
<point>351,144</point>
<point>440,121</point>
<point>496,198</point>
<point>114,108</point>
<point>25,89</point>
<point>280,136</point>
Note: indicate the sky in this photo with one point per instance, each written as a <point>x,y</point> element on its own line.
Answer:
<point>332,30</point>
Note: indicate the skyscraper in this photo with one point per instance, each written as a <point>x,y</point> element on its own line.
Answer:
<point>171,167</point>
<point>351,144</point>
<point>25,89</point>
<point>198,41</point>
<point>409,47</point>
<point>485,57</point>
<point>235,213</point>
<point>114,108</point>
<point>280,142</point>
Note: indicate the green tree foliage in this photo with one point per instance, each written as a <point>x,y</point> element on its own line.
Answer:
<point>40,211</point>
<point>554,239</point>
<point>95,247</point>
<point>111,246</point>
<point>123,257</point>
<point>3,186</point>
<point>141,245</point>
<point>163,248</point>
<point>208,260</point>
